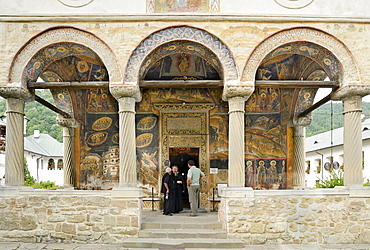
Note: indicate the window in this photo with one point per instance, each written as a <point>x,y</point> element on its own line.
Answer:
<point>60,164</point>
<point>51,164</point>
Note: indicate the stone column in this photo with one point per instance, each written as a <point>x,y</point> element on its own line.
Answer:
<point>126,97</point>
<point>236,96</point>
<point>352,134</point>
<point>236,142</point>
<point>352,141</point>
<point>299,151</point>
<point>14,154</point>
<point>69,125</point>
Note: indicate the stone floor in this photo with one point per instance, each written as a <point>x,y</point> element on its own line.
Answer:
<point>56,246</point>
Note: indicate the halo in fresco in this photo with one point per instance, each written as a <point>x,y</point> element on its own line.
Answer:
<point>75,3</point>
<point>294,4</point>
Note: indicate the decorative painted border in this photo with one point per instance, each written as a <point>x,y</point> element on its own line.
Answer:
<point>180,33</point>
<point>350,74</point>
<point>64,34</point>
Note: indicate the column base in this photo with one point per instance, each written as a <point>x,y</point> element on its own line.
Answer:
<point>241,192</point>
<point>359,191</point>
<point>127,192</point>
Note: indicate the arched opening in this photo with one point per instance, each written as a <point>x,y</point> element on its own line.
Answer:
<point>286,81</point>
<point>182,115</point>
<point>79,81</point>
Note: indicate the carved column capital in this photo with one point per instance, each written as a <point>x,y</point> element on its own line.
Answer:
<point>68,123</point>
<point>348,91</point>
<point>122,91</point>
<point>300,122</point>
<point>241,90</point>
<point>16,93</point>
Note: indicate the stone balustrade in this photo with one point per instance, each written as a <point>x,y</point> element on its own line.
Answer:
<point>78,216</point>
<point>319,216</point>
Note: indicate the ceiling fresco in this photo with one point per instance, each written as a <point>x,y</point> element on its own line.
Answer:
<point>181,60</point>
<point>299,61</point>
<point>65,62</point>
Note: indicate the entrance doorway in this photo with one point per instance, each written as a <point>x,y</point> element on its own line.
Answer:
<point>180,158</point>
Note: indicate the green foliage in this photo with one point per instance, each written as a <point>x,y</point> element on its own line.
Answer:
<point>45,185</point>
<point>40,117</point>
<point>321,117</point>
<point>335,179</point>
<point>28,179</point>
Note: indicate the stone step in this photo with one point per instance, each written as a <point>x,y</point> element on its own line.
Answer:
<point>183,243</point>
<point>182,233</point>
<point>181,225</point>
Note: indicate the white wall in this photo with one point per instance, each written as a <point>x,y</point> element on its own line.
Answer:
<point>337,154</point>
<point>42,173</point>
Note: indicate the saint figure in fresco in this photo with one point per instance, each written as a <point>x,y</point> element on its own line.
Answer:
<point>167,64</point>
<point>249,174</point>
<point>104,102</point>
<point>272,173</point>
<point>184,63</point>
<point>261,173</point>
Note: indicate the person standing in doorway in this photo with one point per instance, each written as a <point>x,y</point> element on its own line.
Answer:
<point>180,188</point>
<point>195,175</point>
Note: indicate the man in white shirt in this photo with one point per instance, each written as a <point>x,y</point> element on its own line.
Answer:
<point>195,175</point>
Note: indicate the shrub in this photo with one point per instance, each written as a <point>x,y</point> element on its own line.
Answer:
<point>334,179</point>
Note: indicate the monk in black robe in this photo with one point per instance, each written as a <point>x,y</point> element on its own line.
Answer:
<point>168,188</point>
<point>179,189</point>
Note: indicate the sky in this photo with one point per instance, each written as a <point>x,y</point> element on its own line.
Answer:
<point>322,92</point>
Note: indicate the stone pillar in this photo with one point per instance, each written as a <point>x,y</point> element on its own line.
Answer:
<point>14,154</point>
<point>236,142</point>
<point>352,134</point>
<point>126,97</point>
<point>352,141</point>
<point>236,96</point>
<point>299,151</point>
<point>69,125</point>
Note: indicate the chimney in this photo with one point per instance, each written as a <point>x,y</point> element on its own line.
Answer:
<point>36,134</point>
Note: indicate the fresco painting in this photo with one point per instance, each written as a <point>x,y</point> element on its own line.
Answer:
<point>147,146</point>
<point>165,6</point>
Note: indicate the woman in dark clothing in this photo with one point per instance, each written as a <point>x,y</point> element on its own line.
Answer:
<point>179,189</point>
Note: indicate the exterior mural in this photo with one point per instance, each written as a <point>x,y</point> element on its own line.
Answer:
<point>168,6</point>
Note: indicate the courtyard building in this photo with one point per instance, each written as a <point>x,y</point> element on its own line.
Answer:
<point>229,84</point>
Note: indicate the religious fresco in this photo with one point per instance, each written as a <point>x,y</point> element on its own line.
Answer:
<point>165,6</point>
<point>66,62</point>
<point>147,146</point>
<point>265,173</point>
<point>178,59</point>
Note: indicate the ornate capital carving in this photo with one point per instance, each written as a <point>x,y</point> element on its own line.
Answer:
<point>16,93</point>
<point>242,90</point>
<point>351,90</point>
<point>236,104</point>
<point>68,123</point>
<point>300,122</point>
<point>126,104</point>
<point>121,91</point>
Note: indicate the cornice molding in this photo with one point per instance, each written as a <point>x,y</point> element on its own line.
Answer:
<point>180,17</point>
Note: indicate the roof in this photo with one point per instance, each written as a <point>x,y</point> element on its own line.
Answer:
<point>43,145</point>
<point>323,140</point>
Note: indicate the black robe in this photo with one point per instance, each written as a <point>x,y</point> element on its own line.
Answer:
<point>169,202</point>
<point>179,188</point>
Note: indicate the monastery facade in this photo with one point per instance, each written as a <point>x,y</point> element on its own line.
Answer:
<point>229,84</point>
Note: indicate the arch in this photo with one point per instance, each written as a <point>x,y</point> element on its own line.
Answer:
<point>163,36</point>
<point>59,35</point>
<point>350,74</point>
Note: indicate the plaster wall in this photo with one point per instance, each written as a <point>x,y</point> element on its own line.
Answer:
<point>305,8</point>
<point>43,173</point>
<point>337,153</point>
<point>123,37</point>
